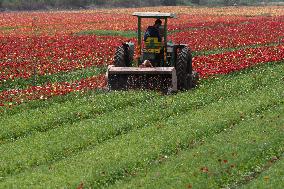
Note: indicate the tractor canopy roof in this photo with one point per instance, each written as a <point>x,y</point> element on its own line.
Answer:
<point>158,15</point>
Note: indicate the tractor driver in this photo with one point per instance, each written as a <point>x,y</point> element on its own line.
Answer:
<point>154,31</point>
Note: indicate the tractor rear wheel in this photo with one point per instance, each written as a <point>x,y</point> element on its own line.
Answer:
<point>184,69</point>
<point>123,56</point>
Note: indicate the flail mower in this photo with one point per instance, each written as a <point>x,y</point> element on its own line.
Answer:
<point>161,65</point>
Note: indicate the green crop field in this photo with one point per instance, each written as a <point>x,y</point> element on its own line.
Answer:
<point>226,133</point>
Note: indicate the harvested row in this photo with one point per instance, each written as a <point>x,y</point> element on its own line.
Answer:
<point>117,157</point>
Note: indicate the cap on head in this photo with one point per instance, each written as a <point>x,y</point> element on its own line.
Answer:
<point>158,21</point>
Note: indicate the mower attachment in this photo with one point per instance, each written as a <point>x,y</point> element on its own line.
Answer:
<point>149,78</point>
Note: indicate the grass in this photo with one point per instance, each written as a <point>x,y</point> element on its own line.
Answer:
<point>135,139</point>
<point>224,50</point>
<point>7,28</point>
<point>127,34</point>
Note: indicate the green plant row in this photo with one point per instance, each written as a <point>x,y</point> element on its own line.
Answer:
<point>95,129</point>
<point>38,103</point>
<point>128,34</point>
<point>224,50</point>
<point>53,114</point>
<point>271,178</point>
<point>69,117</point>
<point>63,141</point>
<point>115,158</point>
<point>223,160</point>
<point>57,115</point>
<point>50,114</point>
<point>20,83</point>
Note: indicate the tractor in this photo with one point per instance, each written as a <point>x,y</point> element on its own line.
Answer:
<point>169,66</point>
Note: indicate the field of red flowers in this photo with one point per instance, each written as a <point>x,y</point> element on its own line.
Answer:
<point>58,129</point>
<point>37,45</point>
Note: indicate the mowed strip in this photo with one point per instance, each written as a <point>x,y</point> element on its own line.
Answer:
<point>115,158</point>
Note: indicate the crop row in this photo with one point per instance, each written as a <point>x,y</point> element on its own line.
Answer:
<point>246,150</point>
<point>134,150</point>
<point>22,57</point>
<point>46,23</point>
<point>25,56</point>
<point>24,123</point>
<point>30,120</point>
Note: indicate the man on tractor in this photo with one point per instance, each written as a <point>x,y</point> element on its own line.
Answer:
<point>154,44</point>
<point>154,31</point>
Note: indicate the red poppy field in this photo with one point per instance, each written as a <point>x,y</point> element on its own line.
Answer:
<point>37,44</point>
<point>58,129</point>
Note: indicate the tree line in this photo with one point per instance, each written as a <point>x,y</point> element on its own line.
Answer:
<point>51,4</point>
